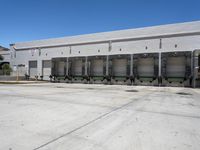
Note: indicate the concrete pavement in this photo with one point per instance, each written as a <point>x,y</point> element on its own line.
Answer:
<point>58,116</point>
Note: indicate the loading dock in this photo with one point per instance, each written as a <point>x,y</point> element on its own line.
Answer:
<point>33,69</point>
<point>145,68</point>
<point>77,71</point>
<point>119,66</point>
<point>59,69</point>
<point>176,68</point>
<point>97,69</point>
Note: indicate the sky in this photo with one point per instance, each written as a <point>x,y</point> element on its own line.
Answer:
<point>26,20</point>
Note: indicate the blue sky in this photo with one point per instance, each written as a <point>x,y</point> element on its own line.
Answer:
<point>25,20</point>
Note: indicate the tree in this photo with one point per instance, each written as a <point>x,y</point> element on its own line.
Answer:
<point>6,69</point>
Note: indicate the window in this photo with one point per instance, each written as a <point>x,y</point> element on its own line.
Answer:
<point>160,45</point>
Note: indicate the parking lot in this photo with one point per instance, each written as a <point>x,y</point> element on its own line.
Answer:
<point>58,116</point>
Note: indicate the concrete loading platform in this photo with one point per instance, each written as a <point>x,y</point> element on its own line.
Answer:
<point>156,69</point>
<point>58,116</point>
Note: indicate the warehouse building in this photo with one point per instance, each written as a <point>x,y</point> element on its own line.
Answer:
<point>166,55</point>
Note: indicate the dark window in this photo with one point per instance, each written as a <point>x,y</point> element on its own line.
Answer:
<point>199,60</point>
<point>33,64</point>
<point>160,45</point>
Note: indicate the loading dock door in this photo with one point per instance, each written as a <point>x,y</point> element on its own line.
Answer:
<point>77,67</point>
<point>176,66</point>
<point>145,67</point>
<point>97,67</point>
<point>119,67</point>
<point>61,68</point>
<point>46,69</point>
<point>32,68</point>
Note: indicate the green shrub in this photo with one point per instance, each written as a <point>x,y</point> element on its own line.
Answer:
<point>6,69</point>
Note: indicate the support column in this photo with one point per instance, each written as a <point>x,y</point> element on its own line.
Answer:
<point>39,68</point>
<point>193,69</point>
<point>67,67</point>
<point>107,65</point>
<point>131,66</point>
<point>159,68</point>
<point>86,65</point>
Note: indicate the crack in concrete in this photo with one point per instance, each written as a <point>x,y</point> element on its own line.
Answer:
<point>88,123</point>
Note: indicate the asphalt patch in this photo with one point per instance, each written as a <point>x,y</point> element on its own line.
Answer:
<point>183,93</point>
<point>59,87</point>
<point>131,90</point>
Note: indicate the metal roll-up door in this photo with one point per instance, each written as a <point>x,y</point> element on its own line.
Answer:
<point>77,67</point>
<point>119,67</point>
<point>61,68</point>
<point>97,67</point>
<point>46,69</point>
<point>32,68</point>
<point>145,67</point>
<point>176,66</point>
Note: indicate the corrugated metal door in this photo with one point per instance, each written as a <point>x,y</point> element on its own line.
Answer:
<point>61,68</point>
<point>119,67</point>
<point>46,69</point>
<point>176,66</point>
<point>97,67</point>
<point>145,67</point>
<point>32,68</point>
<point>77,67</point>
